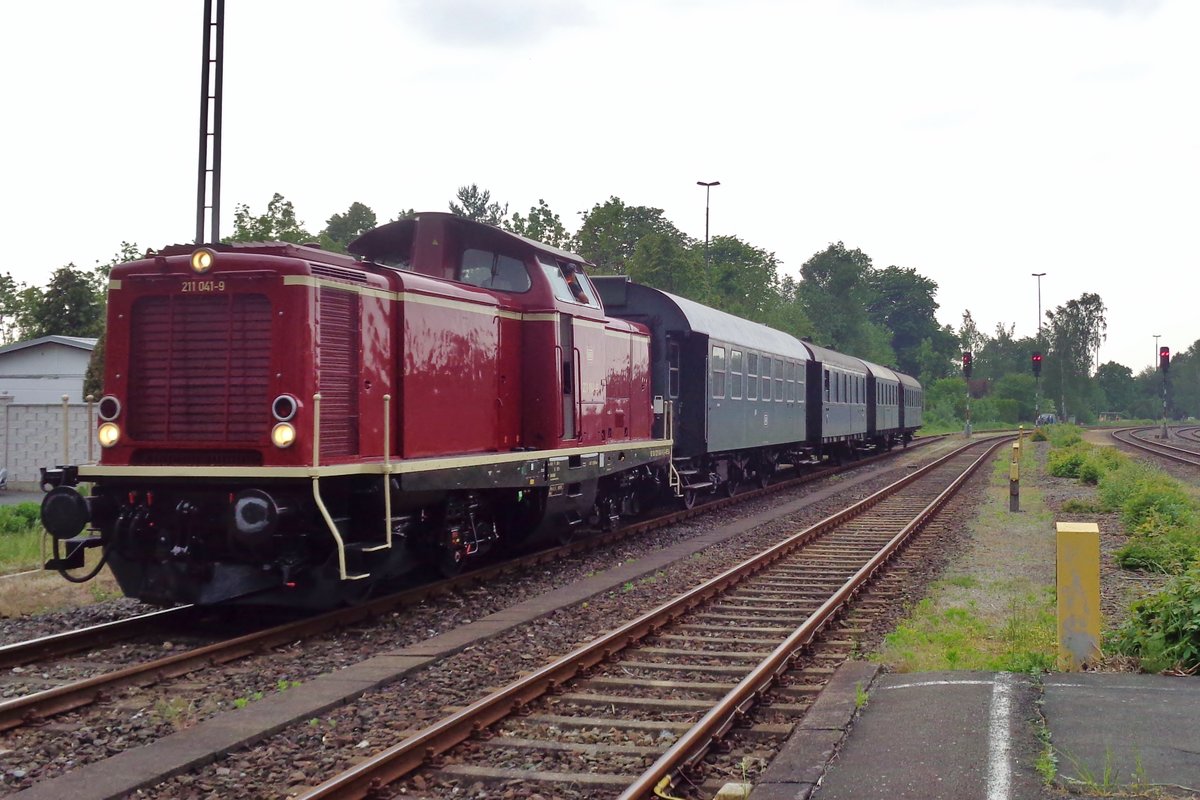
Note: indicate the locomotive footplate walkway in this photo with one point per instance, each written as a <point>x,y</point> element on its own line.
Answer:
<point>967,735</point>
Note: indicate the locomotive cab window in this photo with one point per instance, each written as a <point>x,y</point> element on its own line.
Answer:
<point>568,282</point>
<point>718,371</point>
<point>490,270</point>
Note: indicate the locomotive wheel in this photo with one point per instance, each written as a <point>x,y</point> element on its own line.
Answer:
<point>689,498</point>
<point>450,562</point>
<point>731,487</point>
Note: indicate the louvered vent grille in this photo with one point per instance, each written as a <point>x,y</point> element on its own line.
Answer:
<point>200,368</point>
<point>338,362</point>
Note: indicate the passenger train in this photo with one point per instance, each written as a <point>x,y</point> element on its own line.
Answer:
<point>284,425</point>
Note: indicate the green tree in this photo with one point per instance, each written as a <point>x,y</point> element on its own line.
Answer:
<point>1076,331</point>
<point>786,314</point>
<point>611,231</point>
<point>1116,381</point>
<point>742,279</point>
<point>69,306</point>
<point>542,225</point>
<point>10,308</point>
<point>476,204</point>
<point>903,303</point>
<point>1021,390</point>
<point>835,293</point>
<point>662,261</point>
<point>342,229</point>
<point>278,224</point>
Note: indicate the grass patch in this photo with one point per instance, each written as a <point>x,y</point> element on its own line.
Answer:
<point>961,638</point>
<point>20,537</point>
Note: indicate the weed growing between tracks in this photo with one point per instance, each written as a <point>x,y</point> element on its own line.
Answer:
<point>995,608</point>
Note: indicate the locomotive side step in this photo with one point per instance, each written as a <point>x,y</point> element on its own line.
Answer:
<point>687,473</point>
<point>356,557</point>
<point>692,487</point>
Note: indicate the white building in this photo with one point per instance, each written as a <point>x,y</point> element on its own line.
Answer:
<point>43,370</point>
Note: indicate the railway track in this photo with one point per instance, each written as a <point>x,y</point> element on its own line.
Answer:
<point>40,705</point>
<point>1179,455</point>
<point>638,709</point>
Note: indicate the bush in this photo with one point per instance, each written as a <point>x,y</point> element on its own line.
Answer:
<point>1164,630</point>
<point>19,518</point>
<point>1098,462</point>
<point>1065,462</point>
<point>1064,435</point>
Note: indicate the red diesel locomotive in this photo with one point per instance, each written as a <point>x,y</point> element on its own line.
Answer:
<point>285,425</point>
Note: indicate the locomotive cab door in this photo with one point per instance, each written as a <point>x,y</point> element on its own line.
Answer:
<point>566,338</point>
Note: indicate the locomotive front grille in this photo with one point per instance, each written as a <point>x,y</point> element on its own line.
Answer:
<point>199,368</point>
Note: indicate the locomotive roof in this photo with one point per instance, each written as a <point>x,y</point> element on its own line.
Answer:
<point>622,296</point>
<point>397,236</point>
<point>827,356</point>
<point>879,371</point>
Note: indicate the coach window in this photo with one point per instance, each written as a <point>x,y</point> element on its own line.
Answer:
<point>766,379</point>
<point>826,386</point>
<point>791,385</point>
<point>735,374</point>
<point>751,376</point>
<point>673,369</point>
<point>778,381</point>
<point>718,371</point>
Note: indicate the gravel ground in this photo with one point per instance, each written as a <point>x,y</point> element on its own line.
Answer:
<point>31,754</point>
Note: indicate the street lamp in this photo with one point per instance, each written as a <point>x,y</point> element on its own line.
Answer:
<point>707,189</point>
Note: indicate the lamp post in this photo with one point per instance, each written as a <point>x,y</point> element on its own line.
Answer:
<point>1154,360</point>
<point>1037,397</point>
<point>707,190</point>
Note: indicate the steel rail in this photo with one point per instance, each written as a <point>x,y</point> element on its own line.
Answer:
<point>46,703</point>
<point>413,752</point>
<point>691,747</point>
<point>1178,454</point>
<point>57,644</point>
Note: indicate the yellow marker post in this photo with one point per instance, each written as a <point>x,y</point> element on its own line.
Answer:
<point>1078,594</point>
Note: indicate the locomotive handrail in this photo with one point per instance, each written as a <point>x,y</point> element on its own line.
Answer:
<point>316,486</point>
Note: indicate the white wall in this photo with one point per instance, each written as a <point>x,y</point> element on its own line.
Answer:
<point>31,436</point>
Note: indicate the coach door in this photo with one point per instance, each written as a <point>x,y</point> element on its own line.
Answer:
<point>566,339</point>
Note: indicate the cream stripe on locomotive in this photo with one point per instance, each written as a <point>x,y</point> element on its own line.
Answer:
<point>655,448</point>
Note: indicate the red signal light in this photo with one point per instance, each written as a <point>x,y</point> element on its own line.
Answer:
<point>966,364</point>
<point>1036,363</point>
<point>1164,358</point>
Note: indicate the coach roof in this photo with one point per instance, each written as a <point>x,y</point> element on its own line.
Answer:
<point>623,298</point>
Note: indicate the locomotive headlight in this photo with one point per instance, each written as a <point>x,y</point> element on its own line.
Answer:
<point>283,434</point>
<point>108,434</point>
<point>203,260</point>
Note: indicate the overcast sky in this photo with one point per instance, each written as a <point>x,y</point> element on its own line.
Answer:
<point>978,141</point>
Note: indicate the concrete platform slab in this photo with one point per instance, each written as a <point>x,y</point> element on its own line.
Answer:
<point>939,736</point>
<point>1123,730</point>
